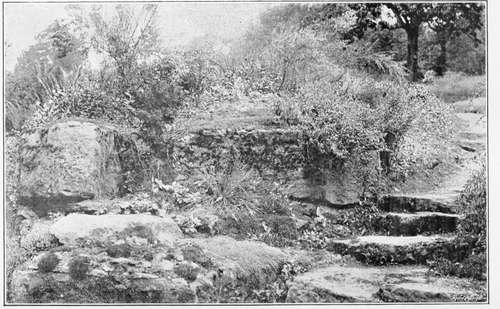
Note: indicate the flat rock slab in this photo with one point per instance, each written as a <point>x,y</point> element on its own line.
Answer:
<point>412,224</point>
<point>241,258</point>
<point>77,228</point>
<point>391,240</point>
<point>339,283</point>
<point>381,250</point>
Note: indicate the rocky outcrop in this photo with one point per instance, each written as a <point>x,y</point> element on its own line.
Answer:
<point>194,270</point>
<point>72,161</point>
<point>281,151</point>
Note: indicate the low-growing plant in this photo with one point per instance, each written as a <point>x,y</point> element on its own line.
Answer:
<point>79,267</point>
<point>472,231</point>
<point>188,271</point>
<point>48,262</point>
<point>119,250</point>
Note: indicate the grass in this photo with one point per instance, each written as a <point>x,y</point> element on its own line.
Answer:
<point>455,87</point>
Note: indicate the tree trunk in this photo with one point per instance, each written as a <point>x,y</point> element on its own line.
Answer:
<point>412,54</point>
<point>440,67</point>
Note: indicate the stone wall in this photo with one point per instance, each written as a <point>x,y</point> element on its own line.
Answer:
<point>330,181</point>
<point>276,149</point>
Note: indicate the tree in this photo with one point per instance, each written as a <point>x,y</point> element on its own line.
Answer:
<point>410,17</point>
<point>449,22</point>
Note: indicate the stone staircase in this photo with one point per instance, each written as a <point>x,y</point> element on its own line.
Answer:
<point>391,264</point>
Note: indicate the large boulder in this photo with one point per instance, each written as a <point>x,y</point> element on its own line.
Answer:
<point>72,161</point>
<point>79,228</point>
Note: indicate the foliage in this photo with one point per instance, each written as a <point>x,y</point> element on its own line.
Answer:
<point>188,271</point>
<point>351,118</point>
<point>79,267</point>
<point>119,250</point>
<point>473,266</point>
<point>284,59</point>
<point>474,203</point>
<point>127,37</point>
<point>206,72</point>
<point>472,231</point>
<point>446,20</point>
<point>48,262</point>
<point>53,61</point>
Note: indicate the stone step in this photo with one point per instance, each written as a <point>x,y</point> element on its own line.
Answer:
<point>442,202</point>
<point>471,145</point>
<point>382,250</point>
<point>412,224</point>
<point>473,136</point>
<point>357,283</point>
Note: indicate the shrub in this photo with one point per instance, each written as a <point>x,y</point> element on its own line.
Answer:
<point>347,120</point>
<point>194,253</point>
<point>79,267</point>
<point>473,202</point>
<point>120,250</point>
<point>471,230</point>
<point>48,262</point>
<point>188,271</point>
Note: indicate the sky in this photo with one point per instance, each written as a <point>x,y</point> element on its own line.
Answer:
<point>179,23</point>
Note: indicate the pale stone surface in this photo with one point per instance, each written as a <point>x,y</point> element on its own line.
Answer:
<point>73,228</point>
<point>393,240</point>
<point>360,284</point>
<point>239,257</point>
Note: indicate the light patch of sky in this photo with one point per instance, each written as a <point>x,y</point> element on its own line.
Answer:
<point>179,23</point>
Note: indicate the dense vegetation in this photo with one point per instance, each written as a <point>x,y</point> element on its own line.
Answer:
<point>333,71</point>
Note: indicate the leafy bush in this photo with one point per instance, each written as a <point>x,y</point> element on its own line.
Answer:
<point>48,262</point>
<point>473,201</point>
<point>471,231</point>
<point>79,267</point>
<point>120,250</point>
<point>349,119</point>
<point>188,271</point>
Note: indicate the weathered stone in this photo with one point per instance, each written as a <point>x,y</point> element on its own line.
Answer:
<point>358,283</point>
<point>401,295</point>
<point>77,228</point>
<point>240,259</point>
<point>107,280</point>
<point>72,161</point>
<point>412,224</point>
<point>381,250</point>
<point>445,203</point>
